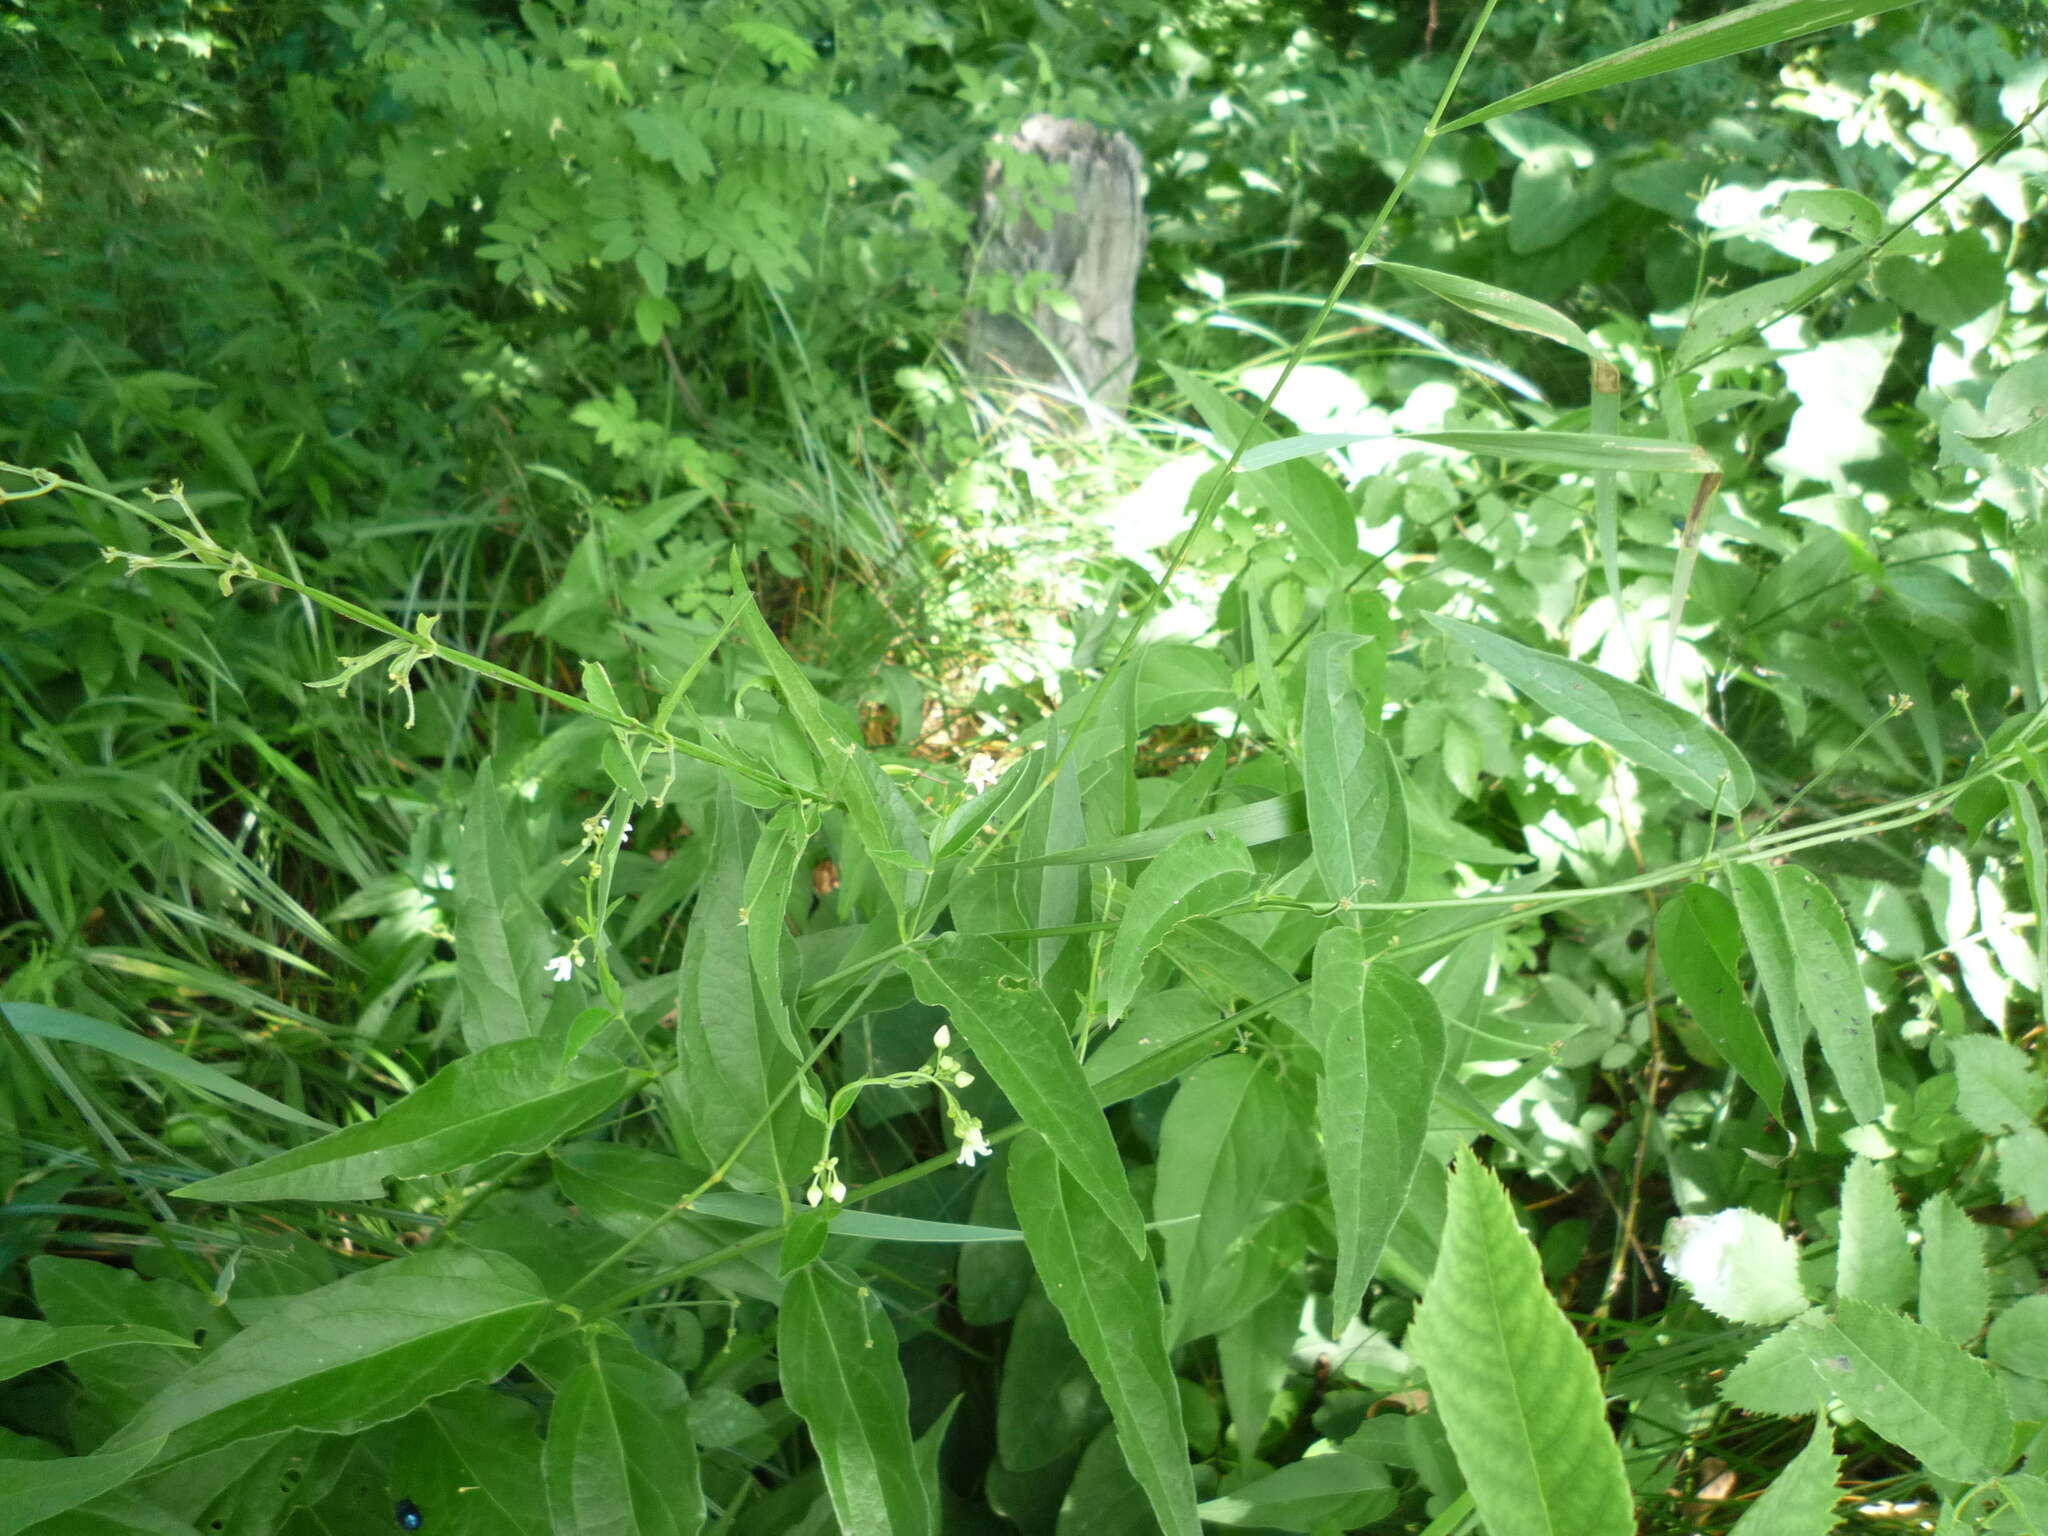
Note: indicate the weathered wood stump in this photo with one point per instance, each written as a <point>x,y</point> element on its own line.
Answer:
<point>1076,368</point>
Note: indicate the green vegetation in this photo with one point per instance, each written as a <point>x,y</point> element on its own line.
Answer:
<point>626,907</point>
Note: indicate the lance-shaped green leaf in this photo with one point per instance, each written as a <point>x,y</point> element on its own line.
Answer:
<point>1010,1024</point>
<point>1955,1290</point>
<point>1915,1388</point>
<point>1502,306</point>
<point>39,1490</point>
<point>1357,811</point>
<point>1699,944</point>
<point>1382,1044</point>
<point>1328,1492</point>
<point>62,1024</point>
<point>1698,947</point>
<point>27,1344</point>
<point>841,1374</point>
<point>1754,26</point>
<point>1875,1262</point>
<point>1109,1298</point>
<point>1519,1394</point>
<point>1554,450</point>
<point>770,874</point>
<point>1801,1499</point>
<point>619,1459</point>
<point>1649,731</point>
<point>500,934</point>
<point>1770,945</point>
<point>1830,988</point>
<point>352,1354</point>
<point>513,1098</point>
<point>1262,821</point>
<point>1197,876</point>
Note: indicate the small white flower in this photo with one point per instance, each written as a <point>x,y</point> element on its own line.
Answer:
<point>982,772</point>
<point>973,1144</point>
<point>438,877</point>
<point>814,1195</point>
<point>963,1079</point>
<point>942,1037</point>
<point>562,967</point>
<point>837,1191</point>
<point>604,824</point>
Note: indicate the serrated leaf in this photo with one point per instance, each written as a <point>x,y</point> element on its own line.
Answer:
<point>1753,26</point>
<point>1875,1263</point>
<point>2018,1339</point>
<point>1195,877</point>
<point>2023,1167</point>
<point>1698,942</point>
<point>1913,1387</point>
<point>1640,727</point>
<point>1519,1394</point>
<point>841,1374</point>
<point>514,1098</point>
<point>1955,1290</point>
<point>1830,988</point>
<point>1997,1089</point>
<point>358,1352</point>
<point>1777,1376</point>
<point>1383,1049</point>
<point>1357,811</point>
<point>1013,1028</point>
<point>1738,1265</point>
<point>1109,1298</point>
<point>1801,1499</point>
<point>619,1460</point>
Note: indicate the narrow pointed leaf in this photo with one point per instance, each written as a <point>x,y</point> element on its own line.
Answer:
<point>1013,1028</point>
<point>1915,1388</point>
<point>1197,876</point>
<point>1500,305</point>
<point>499,931</point>
<point>27,1345</point>
<point>1830,988</point>
<point>1357,811</point>
<point>1955,1290</point>
<point>1383,1049</point>
<point>1699,943</point>
<point>354,1353</point>
<point>1800,1500</point>
<point>619,1459</point>
<point>1556,450</point>
<point>1754,26</point>
<point>770,874</point>
<point>1262,821</point>
<point>39,1490</point>
<point>1770,945</point>
<point>1722,323</point>
<point>1875,1262</point>
<point>1649,731</point>
<point>1109,1299</point>
<point>513,1098</point>
<point>1520,1396</point>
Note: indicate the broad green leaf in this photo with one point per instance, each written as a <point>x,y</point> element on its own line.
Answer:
<point>1720,323</point>
<point>1109,1296</point>
<point>39,1490</point>
<point>1801,1499</point>
<point>1010,1024</point>
<point>1103,1499</point>
<point>1554,450</point>
<point>1334,1491</point>
<point>1357,811</point>
<point>1519,1394</point>
<point>1955,1290</point>
<point>735,1064</point>
<point>26,1344</point>
<point>1254,1355</point>
<point>1737,1264</point>
<point>2023,1166</point>
<point>355,1353</point>
<point>770,874</point>
<point>1997,1089</point>
<point>1234,972</point>
<point>1197,876</point>
<point>1648,731</point>
<point>1047,1403</point>
<point>1830,988</point>
<point>481,1448</point>
<point>1875,1263</point>
<point>1383,1050</point>
<point>513,1098</point>
<point>1777,1376</point>
<point>842,1375</point>
<point>619,1459</point>
<point>638,1194</point>
<point>500,934</point>
<point>1262,821</point>
<point>1913,1387</point>
<point>1299,495</point>
<point>1754,26</point>
<point>1699,944</point>
<point>990,1282</point>
<point>1167,1034</point>
<point>1770,945</point>
<point>2019,1338</point>
<point>1500,305</point>
<point>62,1024</point>
<point>1220,1147</point>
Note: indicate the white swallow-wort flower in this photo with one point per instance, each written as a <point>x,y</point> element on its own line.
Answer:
<point>562,967</point>
<point>973,1144</point>
<point>982,772</point>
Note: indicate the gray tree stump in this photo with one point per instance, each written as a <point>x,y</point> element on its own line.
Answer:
<point>1068,368</point>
